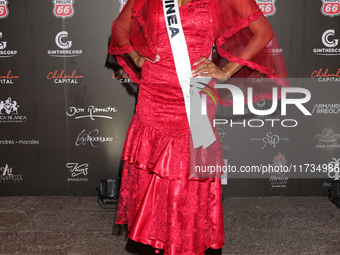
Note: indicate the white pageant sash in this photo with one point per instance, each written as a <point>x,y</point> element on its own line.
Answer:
<point>201,130</point>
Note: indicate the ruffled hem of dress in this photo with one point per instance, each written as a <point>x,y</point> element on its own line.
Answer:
<point>153,150</point>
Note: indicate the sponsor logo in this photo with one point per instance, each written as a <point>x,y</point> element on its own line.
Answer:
<point>91,138</point>
<point>3,9</point>
<point>122,4</point>
<point>270,139</point>
<point>268,7</point>
<point>63,8</point>
<point>334,169</point>
<point>8,79</point>
<point>328,140</point>
<point>77,171</point>
<point>4,52</point>
<point>326,76</point>
<point>19,142</point>
<point>278,179</point>
<point>62,78</point>
<point>326,109</point>
<point>330,8</point>
<point>91,112</point>
<point>121,77</point>
<point>328,39</point>
<point>7,176</point>
<point>9,112</point>
<point>275,51</point>
<point>64,45</point>
<point>221,134</point>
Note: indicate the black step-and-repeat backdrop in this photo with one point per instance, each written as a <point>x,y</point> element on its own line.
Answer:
<point>65,106</point>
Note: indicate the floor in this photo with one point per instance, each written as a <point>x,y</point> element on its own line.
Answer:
<point>78,225</point>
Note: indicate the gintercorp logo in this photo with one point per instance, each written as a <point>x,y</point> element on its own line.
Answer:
<point>5,53</point>
<point>330,8</point>
<point>91,112</point>
<point>63,8</point>
<point>76,170</point>
<point>8,176</point>
<point>330,42</point>
<point>327,41</point>
<point>58,40</point>
<point>9,108</point>
<point>61,78</point>
<point>267,7</point>
<point>62,43</point>
<point>326,76</point>
<point>270,139</point>
<point>92,138</point>
<point>8,79</point>
<point>3,9</point>
<point>327,140</point>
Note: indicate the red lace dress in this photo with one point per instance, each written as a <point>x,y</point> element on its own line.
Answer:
<point>162,206</point>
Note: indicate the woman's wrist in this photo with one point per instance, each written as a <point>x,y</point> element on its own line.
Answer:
<point>227,75</point>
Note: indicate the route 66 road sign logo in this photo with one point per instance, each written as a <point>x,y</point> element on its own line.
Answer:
<point>3,9</point>
<point>267,7</point>
<point>330,8</point>
<point>63,8</point>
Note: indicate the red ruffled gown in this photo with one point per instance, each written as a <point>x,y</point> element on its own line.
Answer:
<point>162,206</point>
<point>169,211</point>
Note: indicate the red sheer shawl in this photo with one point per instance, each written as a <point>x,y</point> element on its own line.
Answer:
<point>233,22</point>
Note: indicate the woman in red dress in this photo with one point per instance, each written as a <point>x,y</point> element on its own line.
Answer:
<point>162,206</point>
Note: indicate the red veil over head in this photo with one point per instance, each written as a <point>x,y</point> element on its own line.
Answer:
<point>137,28</point>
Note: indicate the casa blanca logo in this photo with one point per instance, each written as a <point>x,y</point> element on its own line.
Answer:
<point>330,8</point>
<point>9,112</point>
<point>63,8</point>
<point>328,39</point>
<point>239,107</point>
<point>61,40</point>
<point>8,106</point>
<point>6,175</point>
<point>267,7</point>
<point>3,9</point>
